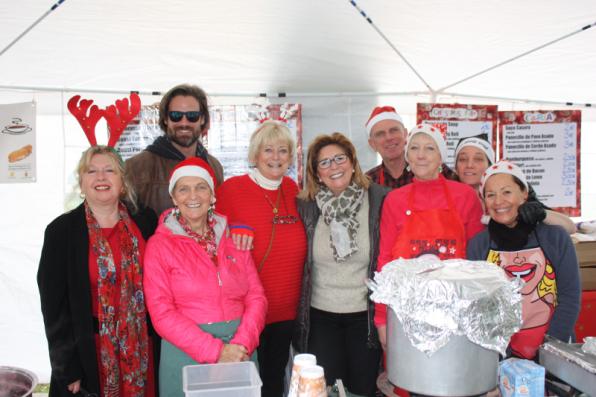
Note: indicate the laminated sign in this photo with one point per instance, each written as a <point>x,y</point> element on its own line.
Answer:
<point>17,142</point>
<point>545,144</point>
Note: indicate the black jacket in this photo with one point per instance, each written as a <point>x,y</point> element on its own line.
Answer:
<point>65,291</point>
<point>309,212</point>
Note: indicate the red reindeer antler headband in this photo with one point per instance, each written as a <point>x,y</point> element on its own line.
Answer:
<point>87,121</point>
<point>120,115</point>
<point>117,116</point>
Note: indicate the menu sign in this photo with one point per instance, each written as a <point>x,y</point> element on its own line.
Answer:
<point>17,142</point>
<point>546,145</point>
<point>229,134</point>
<point>458,121</point>
<point>140,132</point>
<point>233,125</point>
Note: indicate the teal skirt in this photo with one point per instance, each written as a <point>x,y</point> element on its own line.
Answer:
<point>173,359</point>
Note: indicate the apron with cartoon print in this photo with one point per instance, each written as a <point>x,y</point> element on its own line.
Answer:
<point>433,231</point>
<point>539,295</point>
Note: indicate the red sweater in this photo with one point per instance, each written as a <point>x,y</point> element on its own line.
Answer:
<point>428,195</point>
<point>244,202</point>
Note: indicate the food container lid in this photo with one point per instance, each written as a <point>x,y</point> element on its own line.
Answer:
<point>435,299</point>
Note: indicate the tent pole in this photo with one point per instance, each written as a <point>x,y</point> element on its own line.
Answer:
<point>523,100</point>
<point>518,56</point>
<point>367,18</point>
<point>218,94</point>
<point>41,18</point>
<point>310,95</point>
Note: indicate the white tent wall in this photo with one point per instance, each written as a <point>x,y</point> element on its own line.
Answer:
<point>27,208</point>
<point>325,49</point>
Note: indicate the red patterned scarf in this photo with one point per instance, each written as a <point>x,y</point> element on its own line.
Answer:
<point>206,241</point>
<point>124,353</point>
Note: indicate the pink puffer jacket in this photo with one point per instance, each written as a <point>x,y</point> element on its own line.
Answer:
<point>183,288</point>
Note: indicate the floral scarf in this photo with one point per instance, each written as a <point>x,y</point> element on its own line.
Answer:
<point>206,241</point>
<point>124,353</point>
<point>339,212</point>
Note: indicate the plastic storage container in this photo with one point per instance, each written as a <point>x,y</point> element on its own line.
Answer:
<point>229,379</point>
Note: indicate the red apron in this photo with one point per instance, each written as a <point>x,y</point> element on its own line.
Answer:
<point>433,231</point>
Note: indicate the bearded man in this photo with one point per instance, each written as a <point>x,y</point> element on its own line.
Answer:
<point>184,118</point>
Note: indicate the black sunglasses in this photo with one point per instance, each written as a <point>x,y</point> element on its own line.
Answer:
<point>192,116</point>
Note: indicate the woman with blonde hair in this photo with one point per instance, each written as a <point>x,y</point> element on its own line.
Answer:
<point>90,283</point>
<point>263,203</point>
<point>340,208</point>
<point>540,254</point>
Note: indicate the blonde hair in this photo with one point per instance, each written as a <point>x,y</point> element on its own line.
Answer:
<point>270,131</point>
<point>548,284</point>
<point>312,185</point>
<point>128,194</point>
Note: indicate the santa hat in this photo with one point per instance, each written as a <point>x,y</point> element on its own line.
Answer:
<point>432,132</point>
<point>381,113</point>
<point>478,143</point>
<point>502,167</point>
<point>192,166</point>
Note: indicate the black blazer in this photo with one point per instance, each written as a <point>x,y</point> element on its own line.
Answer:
<point>65,291</point>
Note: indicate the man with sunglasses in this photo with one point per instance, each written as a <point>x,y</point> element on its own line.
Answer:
<point>184,117</point>
<point>387,136</point>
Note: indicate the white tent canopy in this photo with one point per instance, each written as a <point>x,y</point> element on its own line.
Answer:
<point>241,47</point>
<point>323,54</point>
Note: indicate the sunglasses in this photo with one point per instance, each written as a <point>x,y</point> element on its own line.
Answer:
<point>193,116</point>
<point>338,158</point>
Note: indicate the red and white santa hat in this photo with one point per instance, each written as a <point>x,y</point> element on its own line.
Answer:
<point>192,166</point>
<point>432,132</point>
<point>381,113</point>
<point>503,167</point>
<point>478,143</point>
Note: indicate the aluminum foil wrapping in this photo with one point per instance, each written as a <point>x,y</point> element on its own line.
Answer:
<point>589,345</point>
<point>435,299</point>
<point>572,352</point>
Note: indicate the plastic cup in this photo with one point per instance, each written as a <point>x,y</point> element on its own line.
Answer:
<point>300,361</point>
<point>312,382</point>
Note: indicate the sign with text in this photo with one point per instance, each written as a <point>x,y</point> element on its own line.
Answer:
<point>230,129</point>
<point>17,142</point>
<point>140,132</point>
<point>458,121</point>
<point>546,145</point>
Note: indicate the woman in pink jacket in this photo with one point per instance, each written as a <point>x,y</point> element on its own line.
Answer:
<point>204,296</point>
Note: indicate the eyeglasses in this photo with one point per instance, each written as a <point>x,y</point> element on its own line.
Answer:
<point>193,116</point>
<point>338,158</point>
<point>284,219</point>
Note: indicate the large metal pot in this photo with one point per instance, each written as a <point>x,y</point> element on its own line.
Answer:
<point>16,382</point>
<point>460,368</point>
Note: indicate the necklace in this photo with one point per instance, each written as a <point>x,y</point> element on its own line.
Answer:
<point>280,219</point>
<point>276,206</point>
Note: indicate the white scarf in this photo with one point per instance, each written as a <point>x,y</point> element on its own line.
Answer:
<point>263,182</point>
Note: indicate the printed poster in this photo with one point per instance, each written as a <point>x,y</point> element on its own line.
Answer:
<point>232,126</point>
<point>228,137</point>
<point>17,143</point>
<point>546,145</point>
<point>140,132</point>
<point>458,121</point>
